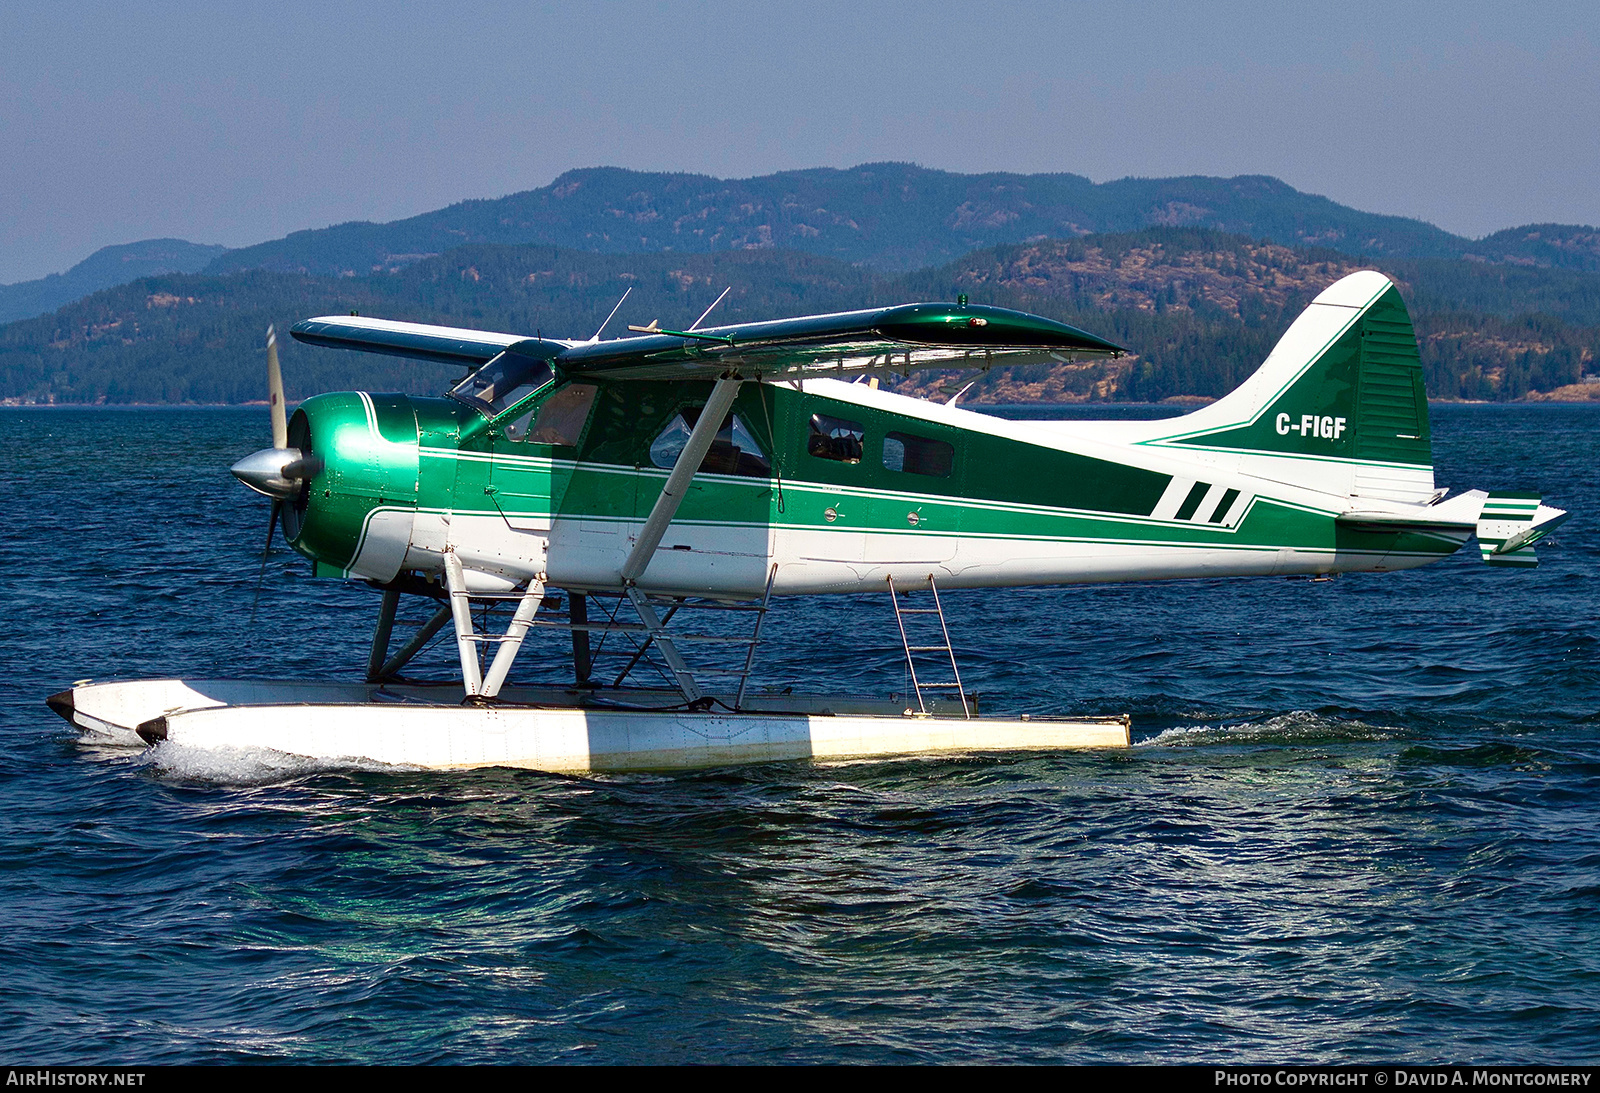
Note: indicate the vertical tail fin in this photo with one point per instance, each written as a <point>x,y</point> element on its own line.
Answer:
<point>1343,388</point>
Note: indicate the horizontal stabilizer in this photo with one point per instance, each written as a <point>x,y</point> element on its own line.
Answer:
<point>1458,514</point>
<point>1509,525</point>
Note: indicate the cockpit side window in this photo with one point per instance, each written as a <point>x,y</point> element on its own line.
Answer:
<point>503,382</point>
<point>558,420</point>
<point>734,451</point>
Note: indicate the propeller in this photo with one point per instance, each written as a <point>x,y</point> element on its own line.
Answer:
<point>277,472</point>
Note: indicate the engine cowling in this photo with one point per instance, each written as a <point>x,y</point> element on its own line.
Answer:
<point>355,516</point>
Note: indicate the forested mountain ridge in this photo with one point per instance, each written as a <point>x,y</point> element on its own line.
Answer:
<point>888,216</point>
<point>891,217</point>
<point>1198,310</point>
<point>105,268</point>
<point>1547,246</point>
<point>199,338</point>
<point>1202,309</point>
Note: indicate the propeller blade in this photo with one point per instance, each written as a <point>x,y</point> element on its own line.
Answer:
<point>261,573</point>
<point>280,418</point>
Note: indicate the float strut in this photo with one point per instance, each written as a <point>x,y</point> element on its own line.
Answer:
<point>639,653</point>
<point>461,611</point>
<point>414,646</point>
<point>669,649</point>
<point>380,636</point>
<point>582,659</point>
<point>520,621</point>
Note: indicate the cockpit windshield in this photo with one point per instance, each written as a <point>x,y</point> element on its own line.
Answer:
<point>503,382</point>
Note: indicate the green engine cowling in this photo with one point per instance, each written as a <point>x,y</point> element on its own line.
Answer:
<point>355,517</point>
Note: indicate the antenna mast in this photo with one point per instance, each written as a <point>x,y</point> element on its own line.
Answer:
<point>695,325</point>
<point>613,315</point>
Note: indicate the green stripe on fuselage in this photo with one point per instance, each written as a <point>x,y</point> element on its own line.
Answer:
<point>998,487</point>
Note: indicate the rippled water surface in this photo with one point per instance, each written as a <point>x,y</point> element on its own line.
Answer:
<point>1360,822</point>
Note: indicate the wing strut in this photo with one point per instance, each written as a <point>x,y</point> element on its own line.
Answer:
<point>683,471</point>
<point>666,507</point>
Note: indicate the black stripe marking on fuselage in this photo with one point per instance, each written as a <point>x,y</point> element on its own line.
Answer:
<point>1224,505</point>
<point>1197,493</point>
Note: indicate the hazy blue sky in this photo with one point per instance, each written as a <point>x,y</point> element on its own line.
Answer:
<point>234,123</point>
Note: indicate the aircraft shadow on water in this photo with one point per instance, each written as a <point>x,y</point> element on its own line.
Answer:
<point>679,471</point>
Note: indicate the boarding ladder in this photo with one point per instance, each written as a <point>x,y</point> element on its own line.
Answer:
<point>927,649</point>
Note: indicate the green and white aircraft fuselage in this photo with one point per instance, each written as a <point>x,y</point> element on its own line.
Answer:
<point>549,461</point>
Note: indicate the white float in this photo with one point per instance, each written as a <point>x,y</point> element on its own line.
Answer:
<point>428,727</point>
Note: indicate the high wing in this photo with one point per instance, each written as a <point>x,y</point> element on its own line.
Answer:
<point>443,344</point>
<point>900,338</point>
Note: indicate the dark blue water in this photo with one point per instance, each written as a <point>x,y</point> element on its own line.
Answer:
<point>1361,822</point>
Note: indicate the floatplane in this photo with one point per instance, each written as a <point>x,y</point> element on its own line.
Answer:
<point>610,487</point>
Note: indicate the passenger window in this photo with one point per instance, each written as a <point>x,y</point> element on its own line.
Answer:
<point>734,451</point>
<point>560,419</point>
<point>918,455</point>
<point>834,438</point>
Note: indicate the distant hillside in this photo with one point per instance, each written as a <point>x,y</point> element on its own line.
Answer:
<point>105,268</point>
<point>1199,310</point>
<point>1547,246</point>
<point>889,216</point>
<point>199,338</point>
